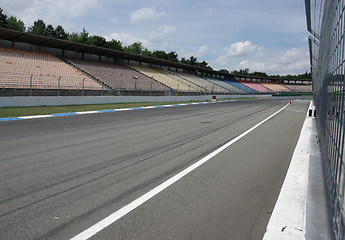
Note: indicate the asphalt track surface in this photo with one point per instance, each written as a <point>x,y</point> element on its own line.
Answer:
<point>61,175</point>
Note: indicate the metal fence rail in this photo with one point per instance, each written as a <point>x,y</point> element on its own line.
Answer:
<point>326,23</point>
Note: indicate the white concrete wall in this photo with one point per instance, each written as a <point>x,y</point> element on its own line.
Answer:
<point>57,101</point>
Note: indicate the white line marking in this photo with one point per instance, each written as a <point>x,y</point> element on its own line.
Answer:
<point>148,107</point>
<point>123,109</point>
<point>91,231</point>
<point>86,112</point>
<point>36,116</point>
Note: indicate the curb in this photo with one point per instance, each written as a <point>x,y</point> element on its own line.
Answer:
<point>104,111</point>
<point>288,219</point>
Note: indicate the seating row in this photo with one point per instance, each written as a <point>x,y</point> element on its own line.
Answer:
<point>170,80</point>
<point>40,70</point>
<point>117,76</point>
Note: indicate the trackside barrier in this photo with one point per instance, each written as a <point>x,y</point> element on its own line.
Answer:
<point>69,100</point>
<point>312,110</point>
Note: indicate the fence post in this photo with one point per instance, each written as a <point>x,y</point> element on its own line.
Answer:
<point>59,86</point>
<point>82,92</point>
<point>31,85</point>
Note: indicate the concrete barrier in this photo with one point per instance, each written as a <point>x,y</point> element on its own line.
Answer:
<point>288,220</point>
<point>59,101</point>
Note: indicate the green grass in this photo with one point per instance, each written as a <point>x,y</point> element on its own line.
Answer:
<point>46,110</point>
<point>292,94</point>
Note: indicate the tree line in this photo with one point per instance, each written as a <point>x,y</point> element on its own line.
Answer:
<point>41,28</point>
<point>246,72</point>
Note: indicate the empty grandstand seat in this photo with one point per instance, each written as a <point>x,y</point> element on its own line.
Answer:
<point>225,85</point>
<point>256,86</point>
<point>40,71</point>
<point>117,76</point>
<point>205,84</point>
<point>168,79</point>
<point>240,86</point>
<point>275,87</point>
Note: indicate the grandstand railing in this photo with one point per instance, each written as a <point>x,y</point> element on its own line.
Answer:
<point>328,70</point>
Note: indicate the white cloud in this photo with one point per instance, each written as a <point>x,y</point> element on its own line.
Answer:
<point>198,53</point>
<point>240,49</point>
<point>51,12</point>
<point>292,61</point>
<point>290,55</point>
<point>115,21</point>
<point>162,33</point>
<point>202,51</point>
<point>145,15</point>
<point>253,66</point>
<point>127,39</point>
<point>222,61</point>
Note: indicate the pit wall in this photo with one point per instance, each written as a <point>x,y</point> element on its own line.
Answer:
<point>59,101</point>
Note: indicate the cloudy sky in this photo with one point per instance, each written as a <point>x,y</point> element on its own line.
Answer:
<point>262,35</point>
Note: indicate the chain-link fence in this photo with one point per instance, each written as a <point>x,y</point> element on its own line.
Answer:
<point>326,23</point>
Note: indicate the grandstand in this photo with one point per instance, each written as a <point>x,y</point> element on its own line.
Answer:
<point>275,87</point>
<point>240,86</point>
<point>39,63</point>
<point>299,88</point>
<point>226,85</point>
<point>256,86</point>
<point>210,87</point>
<point>23,69</point>
<point>117,76</point>
<point>168,79</point>
<point>191,84</point>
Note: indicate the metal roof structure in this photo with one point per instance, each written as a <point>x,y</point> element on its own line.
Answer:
<point>38,40</point>
<point>17,36</point>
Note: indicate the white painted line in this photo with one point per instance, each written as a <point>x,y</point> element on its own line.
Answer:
<point>123,109</point>
<point>35,116</point>
<point>91,231</point>
<point>91,112</point>
<point>87,112</point>
<point>148,107</point>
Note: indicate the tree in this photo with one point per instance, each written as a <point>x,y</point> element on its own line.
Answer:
<point>203,64</point>
<point>114,44</point>
<point>83,36</point>
<point>192,60</point>
<point>96,41</point>
<point>244,72</point>
<point>173,56</point>
<point>160,54</point>
<point>146,52</point>
<point>259,74</point>
<point>49,32</point>
<point>224,70</point>
<point>15,24</point>
<point>60,33</point>
<point>73,36</point>
<point>3,19</point>
<point>38,28</point>
<point>136,48</point>
<point>184,61</point>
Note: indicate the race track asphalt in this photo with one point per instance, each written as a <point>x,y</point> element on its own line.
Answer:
<point>61,175</point>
